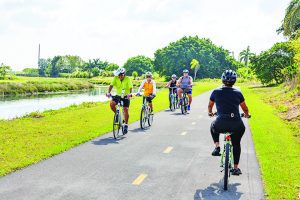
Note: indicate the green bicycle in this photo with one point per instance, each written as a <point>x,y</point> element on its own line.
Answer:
<point>227,156</point>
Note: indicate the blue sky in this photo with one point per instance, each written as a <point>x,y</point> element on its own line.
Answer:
<point>118,29</point>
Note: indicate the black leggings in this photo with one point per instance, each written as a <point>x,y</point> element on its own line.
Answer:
<point>228,125</point>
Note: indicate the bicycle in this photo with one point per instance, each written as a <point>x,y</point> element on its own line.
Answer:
<point>146,114</point>
<point>185,101</point>
<point>173,98</point>
<point>118,121</point>
<point>227,156</point>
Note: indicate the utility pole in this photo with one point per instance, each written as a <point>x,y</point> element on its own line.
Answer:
<point>39,56</point>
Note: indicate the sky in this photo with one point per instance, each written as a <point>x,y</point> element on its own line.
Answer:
<point>116,30</point>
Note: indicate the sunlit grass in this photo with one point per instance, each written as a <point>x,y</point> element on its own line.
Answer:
<point>276,147</point>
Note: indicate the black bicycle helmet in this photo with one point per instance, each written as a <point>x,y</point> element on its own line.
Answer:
<point>229,77</point>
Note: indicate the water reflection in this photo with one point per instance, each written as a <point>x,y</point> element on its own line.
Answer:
<point>13,106</point>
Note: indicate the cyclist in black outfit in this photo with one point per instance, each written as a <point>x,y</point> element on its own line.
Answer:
<point>228,119</point>
<point>172,87</point>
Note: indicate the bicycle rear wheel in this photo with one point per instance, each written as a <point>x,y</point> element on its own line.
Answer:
<point>117,125</point>
<point>143,118</point>
<point>226,166</point>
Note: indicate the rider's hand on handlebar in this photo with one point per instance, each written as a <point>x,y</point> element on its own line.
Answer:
<point>246,116</point>
<point>211,114</point>
<point>108,94</point>
<point>129,96</point>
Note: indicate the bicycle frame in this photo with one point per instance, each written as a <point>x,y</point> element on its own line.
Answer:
<point>227,139</point>
<point>117,121</point>
<point>185,100</point>
<point>173,98</point>
<point>145,113</point>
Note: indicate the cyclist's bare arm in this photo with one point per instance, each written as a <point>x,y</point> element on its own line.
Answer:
<point>210,106</point>
<point>178,82</point>
<point>245,108</point>
<point>168,84</point>
<point>191,81</point>
<point>141,86</point>
<point>110,88</point>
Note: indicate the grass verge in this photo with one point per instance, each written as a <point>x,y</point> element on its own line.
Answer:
<point>32,85</point>
<point>276,147</point>
<point>37,136</point>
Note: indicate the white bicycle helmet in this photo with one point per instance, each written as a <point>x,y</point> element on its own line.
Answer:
<point>120,71</point>
<point>148,74</point>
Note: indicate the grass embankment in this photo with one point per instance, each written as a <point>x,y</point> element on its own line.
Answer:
<point>32,85</point>
<point>38,136</point>
<point>277,143</point>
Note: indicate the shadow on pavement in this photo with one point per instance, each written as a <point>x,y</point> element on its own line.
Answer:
<point>106,141</point>
<point>139,130</point>
<point>176,113</point>
<point>215,191</point>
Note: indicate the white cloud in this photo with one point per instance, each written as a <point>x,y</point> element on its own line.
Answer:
<point>118,29</point>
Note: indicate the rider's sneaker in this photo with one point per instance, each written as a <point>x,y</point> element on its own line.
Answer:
<point>236,172</point>
<point>189,108</point>
<point>180,101</point>
<point>125,129</point>
<point>216,152</point>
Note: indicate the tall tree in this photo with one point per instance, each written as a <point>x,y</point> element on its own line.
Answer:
<point>44,66</point>
<point>195,65</point>
<point>245,55</point>
<point>291,22</point>
<point>178,55</point>
<point>54,72</point>
<point>275,64</point>
<point>4,69</point>
<point>141,64</point>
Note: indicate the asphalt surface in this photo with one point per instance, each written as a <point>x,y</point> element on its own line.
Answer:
<point>170,160</point>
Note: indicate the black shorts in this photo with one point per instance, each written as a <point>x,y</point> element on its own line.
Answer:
<point>148,99</point>
<point>126,102</point>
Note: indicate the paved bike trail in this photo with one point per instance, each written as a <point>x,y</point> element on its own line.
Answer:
<point>171,160</point>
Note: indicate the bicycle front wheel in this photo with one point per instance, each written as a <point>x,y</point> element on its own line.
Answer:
<point>172,105</point>
<point>143,118</point>
<point>226,166</point>
<point>184,106</point>
<point>116,125</point>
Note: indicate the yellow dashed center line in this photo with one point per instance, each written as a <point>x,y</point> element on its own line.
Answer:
<point>139,179</point>
<point>168,150</point>
<point>184,133</point>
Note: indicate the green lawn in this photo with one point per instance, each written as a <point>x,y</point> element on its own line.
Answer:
<point>277,147</point>
<point>28,140</point>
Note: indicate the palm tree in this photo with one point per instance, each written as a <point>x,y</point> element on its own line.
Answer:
<point>291,21</point>
<point>245,55</point>
<point>196,66</point>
